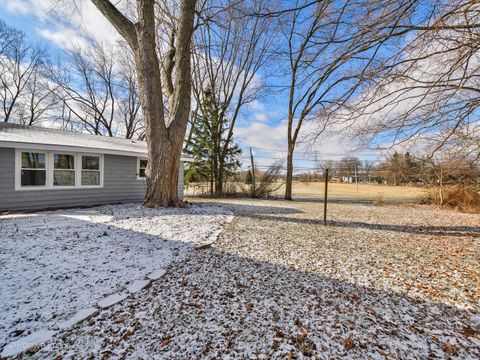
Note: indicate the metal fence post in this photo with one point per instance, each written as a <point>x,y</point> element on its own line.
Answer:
<point>325,199</point>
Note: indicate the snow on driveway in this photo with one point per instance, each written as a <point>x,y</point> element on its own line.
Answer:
<point>54,263</point>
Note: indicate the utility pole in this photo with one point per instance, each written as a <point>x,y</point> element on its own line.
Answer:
<point>325,199</point>
<point>253,173</point>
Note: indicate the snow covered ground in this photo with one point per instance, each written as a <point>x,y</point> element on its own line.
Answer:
<point>54,263</point>
<point>378,283</point>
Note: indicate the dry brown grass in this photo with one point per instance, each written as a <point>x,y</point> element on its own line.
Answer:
<point>466,199</point>
<point>367,192</point>
<point>341,191</point>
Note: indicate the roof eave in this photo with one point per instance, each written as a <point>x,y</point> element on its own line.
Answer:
<point>82,149</point>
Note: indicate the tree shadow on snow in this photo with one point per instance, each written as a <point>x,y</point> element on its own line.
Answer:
<point>269,214</point>
<point>217,303</point>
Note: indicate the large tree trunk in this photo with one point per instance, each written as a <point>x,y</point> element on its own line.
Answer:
<point>162,179</point>
<point>160,188</point>
<point>164,138</point>
<point>164,141</point>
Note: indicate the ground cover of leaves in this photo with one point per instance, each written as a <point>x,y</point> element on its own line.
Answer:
<point>389,282</point>
<point>55,263</point>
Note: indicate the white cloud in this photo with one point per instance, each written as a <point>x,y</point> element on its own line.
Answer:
<point>64,38</point>
<point>64,24</point>
<point>16,7</point>
<point>261,112</point>
<point>261,135</point>
<point>256,105</point>
<point>269,143</point>
<point>261,117</point>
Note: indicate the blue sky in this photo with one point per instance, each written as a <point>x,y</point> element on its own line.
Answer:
<point>261,125</point>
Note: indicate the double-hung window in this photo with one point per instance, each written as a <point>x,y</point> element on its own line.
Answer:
<point>142,166</point>
<point>90,170</point>
<point>33,169</point>
<point>42,169</point>
<point>63,169</point>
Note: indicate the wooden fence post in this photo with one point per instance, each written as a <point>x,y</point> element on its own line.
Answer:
<point>325,199</point>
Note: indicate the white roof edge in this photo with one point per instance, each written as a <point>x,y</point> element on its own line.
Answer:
<point>52,147</point>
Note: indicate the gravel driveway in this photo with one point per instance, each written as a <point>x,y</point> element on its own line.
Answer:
<point>379,282</point>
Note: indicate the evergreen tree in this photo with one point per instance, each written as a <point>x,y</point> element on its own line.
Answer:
<point>248,178</point>
<point>215,159</point>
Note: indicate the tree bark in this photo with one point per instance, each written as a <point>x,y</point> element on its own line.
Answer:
<point>164,138</point>
<point>289,179</point>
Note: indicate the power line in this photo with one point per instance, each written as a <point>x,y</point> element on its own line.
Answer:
<point>317,153</point>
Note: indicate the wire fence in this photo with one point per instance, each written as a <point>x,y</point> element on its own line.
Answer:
<point>353,176</point>
<point>341,188</point>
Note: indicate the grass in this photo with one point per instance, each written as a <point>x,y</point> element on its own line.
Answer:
<point>342,191</point>
<point>367,192</point>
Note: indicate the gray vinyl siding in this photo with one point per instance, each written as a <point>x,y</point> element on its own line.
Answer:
<point>120,185</point>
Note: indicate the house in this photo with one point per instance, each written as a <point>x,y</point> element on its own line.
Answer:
<point>350,179</point>
<point>45,168</point>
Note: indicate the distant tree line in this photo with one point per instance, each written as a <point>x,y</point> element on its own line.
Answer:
<point>399,169</point>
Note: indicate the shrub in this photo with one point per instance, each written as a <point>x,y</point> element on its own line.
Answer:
<point>463,198</point>
<point>379,200</point>
<point>268,183</point>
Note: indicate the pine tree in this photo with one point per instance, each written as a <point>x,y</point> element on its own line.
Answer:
<point>248,178</point>
<point>215,159</point>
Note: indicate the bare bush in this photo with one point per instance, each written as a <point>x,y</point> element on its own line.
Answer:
<point>463,198</point>
<point>268,182</point>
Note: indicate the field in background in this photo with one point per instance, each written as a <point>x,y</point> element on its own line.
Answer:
<point>367,192</point>
<point>337,191</point>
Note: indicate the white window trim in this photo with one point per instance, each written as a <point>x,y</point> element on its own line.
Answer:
<point>49,168</point>
<point>75,168</point>
<point>79,173</point>
<point>138,168</point>
<point>18,171</point>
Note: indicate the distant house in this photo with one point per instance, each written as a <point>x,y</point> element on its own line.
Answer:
<point>45,168</point>
<point>350,179</point>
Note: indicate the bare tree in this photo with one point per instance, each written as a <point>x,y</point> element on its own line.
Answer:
<point>332,48</point>
<point>164,132</point>
<point>38,102</point>
<point>85,85</point>
<point>231,47</point>
<point>428,89</point>
<point>128,97</point>
<point>8,37</point>
<point>19,63</point>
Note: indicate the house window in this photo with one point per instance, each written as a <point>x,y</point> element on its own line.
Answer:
<point>33,170</point>
<point>90,170</point>
<point>43,170</point>
<point>63,170</point>
<point>142,165</point>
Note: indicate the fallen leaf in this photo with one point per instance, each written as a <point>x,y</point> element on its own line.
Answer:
<point>353,297</point>
<point>469,332</point>
<point>449,349</point>
<point>302,334</point>
<point>348,343</point>
<point>204,246</point>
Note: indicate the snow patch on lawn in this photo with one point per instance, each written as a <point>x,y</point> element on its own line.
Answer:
<point>52,264</point>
